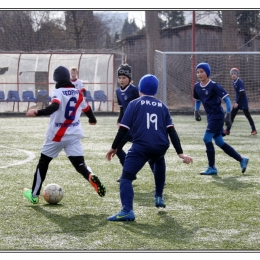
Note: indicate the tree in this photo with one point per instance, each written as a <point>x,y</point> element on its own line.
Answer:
<point>16,31</point>
<point>153,39</point>
<point>169,19</point>
<point>129,29</point>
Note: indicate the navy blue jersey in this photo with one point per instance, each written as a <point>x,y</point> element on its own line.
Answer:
<point>124,96</point>
<point>239,87</point>
<point>148,119</point>
<point>211,96</point>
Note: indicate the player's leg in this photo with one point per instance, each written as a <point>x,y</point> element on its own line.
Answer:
<point>134,162</point>
<point>49,151</point>
<point>251,121</point>
<point>39,177</point>
<point>229,150</point>
<point>159,179</point>
<point>121,154</point>
<point>74,151</point>
<point>210,151</point>
<point>233,115</point>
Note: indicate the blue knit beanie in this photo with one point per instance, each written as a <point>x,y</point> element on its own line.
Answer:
<point>148,85</point>
<point>61,74</point>
<point>205,66</point>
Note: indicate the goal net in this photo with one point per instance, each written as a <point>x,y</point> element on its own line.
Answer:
<point>177,75</point>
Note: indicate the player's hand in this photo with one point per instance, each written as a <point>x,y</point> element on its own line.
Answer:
<point>110,154</point>
<point>197,115</point>
<point>227,119</point>
<point>235,105</point>
<point>186,158</point>
<point>31,112</point>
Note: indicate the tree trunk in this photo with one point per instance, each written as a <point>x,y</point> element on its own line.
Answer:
<point>153,39</point>
<point>229,36</point>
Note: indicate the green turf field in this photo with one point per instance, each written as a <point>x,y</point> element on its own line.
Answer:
<point>202,213</point>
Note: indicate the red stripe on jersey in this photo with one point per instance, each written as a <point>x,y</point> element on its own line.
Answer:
<point>60,133</point>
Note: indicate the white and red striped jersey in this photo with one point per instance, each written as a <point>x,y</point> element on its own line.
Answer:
<point>65,122</point>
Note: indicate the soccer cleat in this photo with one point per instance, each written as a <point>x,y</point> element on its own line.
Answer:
<point>118,180</point>
<point>227,132</point>
<point>96,183</point>
<point>123,216</point>
<point>209,171</point>
<point>254,132</point>
<point>243,164</point>
<point>28,194</point>
<point>159,202</point>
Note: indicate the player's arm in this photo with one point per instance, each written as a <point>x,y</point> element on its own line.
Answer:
<point>177,145</point>
<point>45,111</point>
<point>120,135</point>
<point>89,113</point>
<point>196,110</point>
<point>120,116</point>
<point>227,120</point>
<point>241,94</point>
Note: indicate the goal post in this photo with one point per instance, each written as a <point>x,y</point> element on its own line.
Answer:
<point>177,75</point>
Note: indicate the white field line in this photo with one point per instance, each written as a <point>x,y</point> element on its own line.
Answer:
<point>30,157</point>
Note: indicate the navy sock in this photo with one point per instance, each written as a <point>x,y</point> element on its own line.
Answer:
<point>126,194</point>
<point>231,152</point>
<point>210,150</point>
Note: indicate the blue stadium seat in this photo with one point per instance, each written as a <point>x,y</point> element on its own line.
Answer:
<point>13,96</point>
<point>2,96</point>
<point>28,96</point>
<point>99,95</point>
<point>89,98</point>
<point>43,97</point>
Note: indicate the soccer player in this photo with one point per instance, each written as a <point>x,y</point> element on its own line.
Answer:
<point>210,94</point>
<point>74,78</point>
<point>241,102</point>
<point>151,125</point>
<point>64,132</point>
<point>125,93</point>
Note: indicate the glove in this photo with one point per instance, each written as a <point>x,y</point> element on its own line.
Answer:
<point>227,119</point>
<point>197,115</point>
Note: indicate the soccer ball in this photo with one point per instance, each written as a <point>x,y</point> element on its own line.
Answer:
<point>53,193</point>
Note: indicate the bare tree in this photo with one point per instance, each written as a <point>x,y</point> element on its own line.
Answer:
<point>16,31</point>
<point>153,39</point>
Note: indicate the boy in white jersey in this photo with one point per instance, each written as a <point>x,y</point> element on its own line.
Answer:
<point>64,132</point>
<point>74,78</point>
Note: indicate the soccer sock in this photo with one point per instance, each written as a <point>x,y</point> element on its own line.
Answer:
<point>126,194</point>
<point>231,152</point>
<point>210,150</point>
<point>159,176</point>
<point>40,174</point>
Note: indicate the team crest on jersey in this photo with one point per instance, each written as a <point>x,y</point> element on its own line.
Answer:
<point>125,97</point>
<point>206,92</point>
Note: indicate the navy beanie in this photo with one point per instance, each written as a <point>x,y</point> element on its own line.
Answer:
<point>148,85</point>
<point>205,66</point>
<point>61,74</point>
<point>234,71</point>
<point>124,70</point>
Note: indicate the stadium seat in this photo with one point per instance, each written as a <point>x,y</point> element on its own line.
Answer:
<point>13,96</point>
<point>99,95</point>
<point>89,98</point>
<point>43,97</point>
<point>2,96</point>
<point>28,96</point>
